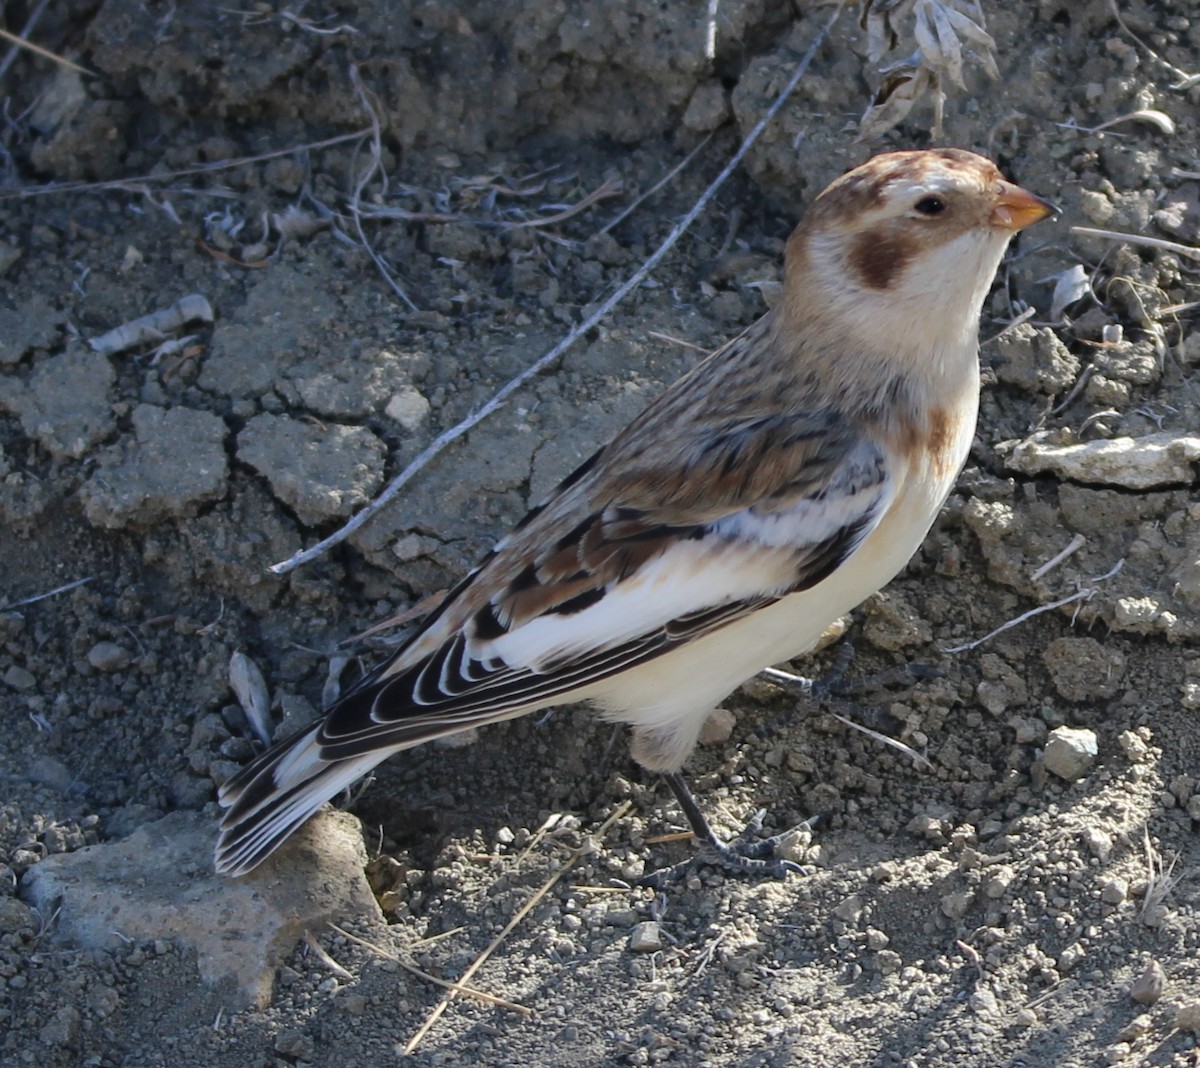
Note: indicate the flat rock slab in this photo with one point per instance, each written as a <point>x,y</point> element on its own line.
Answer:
<point>159,884</point>
<point>174,462</point>
<point>66,404</point>
<point>1149,462</point>
<point>322,471</point>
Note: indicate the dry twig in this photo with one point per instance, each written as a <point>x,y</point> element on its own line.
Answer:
<point>43,596</point>
<point>362,182</point>
<point>1084,594</point>
<point>412,969</point>
<point>21,42</point>
<point>1189,251</point>
<point>136,183</point>
<point>498,399</point>
<point>588,847</point>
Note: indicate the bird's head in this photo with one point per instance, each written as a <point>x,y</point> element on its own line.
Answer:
<point>903,248</point>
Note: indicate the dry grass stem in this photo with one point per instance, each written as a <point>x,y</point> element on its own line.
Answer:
<point>43,596</point>
<point>417,611</point>
<point>917,758</point>
<point>1085,376</point>
<point>1084,594</point>
<point>412,969</point>
<point>588,846</point>
<point>1161,879</point>
<point>1012,324</point>
<point>1150,116</point>
<point>26,32</point>
<point>20,42</point>
<point>1186,81</point>
<point>1189,251</point>
<point>639,200</point>
<point>135,183</point>
<point>323,956</point>
<point>441,936</point>
<point>498,399</point>
<point>376,166</point>
<point>550,825</point>
<point>1073,546</point>
<point>677,341</point>
<point>609,188</point>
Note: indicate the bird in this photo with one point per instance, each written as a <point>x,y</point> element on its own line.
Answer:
<point>763,495</point>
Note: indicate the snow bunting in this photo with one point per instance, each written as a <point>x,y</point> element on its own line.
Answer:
<point>766,493</point>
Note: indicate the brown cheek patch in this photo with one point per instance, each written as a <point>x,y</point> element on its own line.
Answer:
<point>878,259</point>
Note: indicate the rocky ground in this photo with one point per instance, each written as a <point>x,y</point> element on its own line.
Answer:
<point>1025,895</point>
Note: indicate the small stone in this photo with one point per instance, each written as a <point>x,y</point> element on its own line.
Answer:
<point>1026,1018</point>
<point>1098,842</point>
<point>1133,745</point>
<point>1114,891</point>
<point>171,465</point>
<point>64,1027</point>
<point>850,909</point>
<point>66,404</point>
<point>287,976</point>
<point>955,905</point>
<point>1187,1016</point>
<point>20,679</point>
<point>49,772</point>
<point>928,826</point>
<point>718,728</point>
<point>1154,915</point>
<point>1148,987</point>
<point>109,657</point>
<point>408,407</point>
<point>620,917</point>
<point>646,937</point>
<point>984,1002</point>
<point>997,886</point>
<point>893,624</point>
<point>889,961</point>
<point>16,916</point>
<point>1149,462</point>
<point>1071,957</point>
<point>1071,752</point>
<point>1136,1027</point>
<point>354,1004</point>
<point>1035,360</point>
<point>1084,670</point>
<point>158,886</point>
<point>708,107</point>
<point>293,1042</point>
<point>322,470</point>
<point>877,940</point>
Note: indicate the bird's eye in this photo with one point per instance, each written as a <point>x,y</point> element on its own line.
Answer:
<point>931,205</point>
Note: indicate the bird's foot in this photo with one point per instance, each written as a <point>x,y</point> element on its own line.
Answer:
<point>748,854</point>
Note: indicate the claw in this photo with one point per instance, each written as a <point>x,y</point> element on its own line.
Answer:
<point>748,854</point>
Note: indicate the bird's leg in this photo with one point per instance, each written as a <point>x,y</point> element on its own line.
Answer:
<point>746,855</point>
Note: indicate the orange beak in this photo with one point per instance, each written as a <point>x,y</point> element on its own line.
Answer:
<point>1016,208</point>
